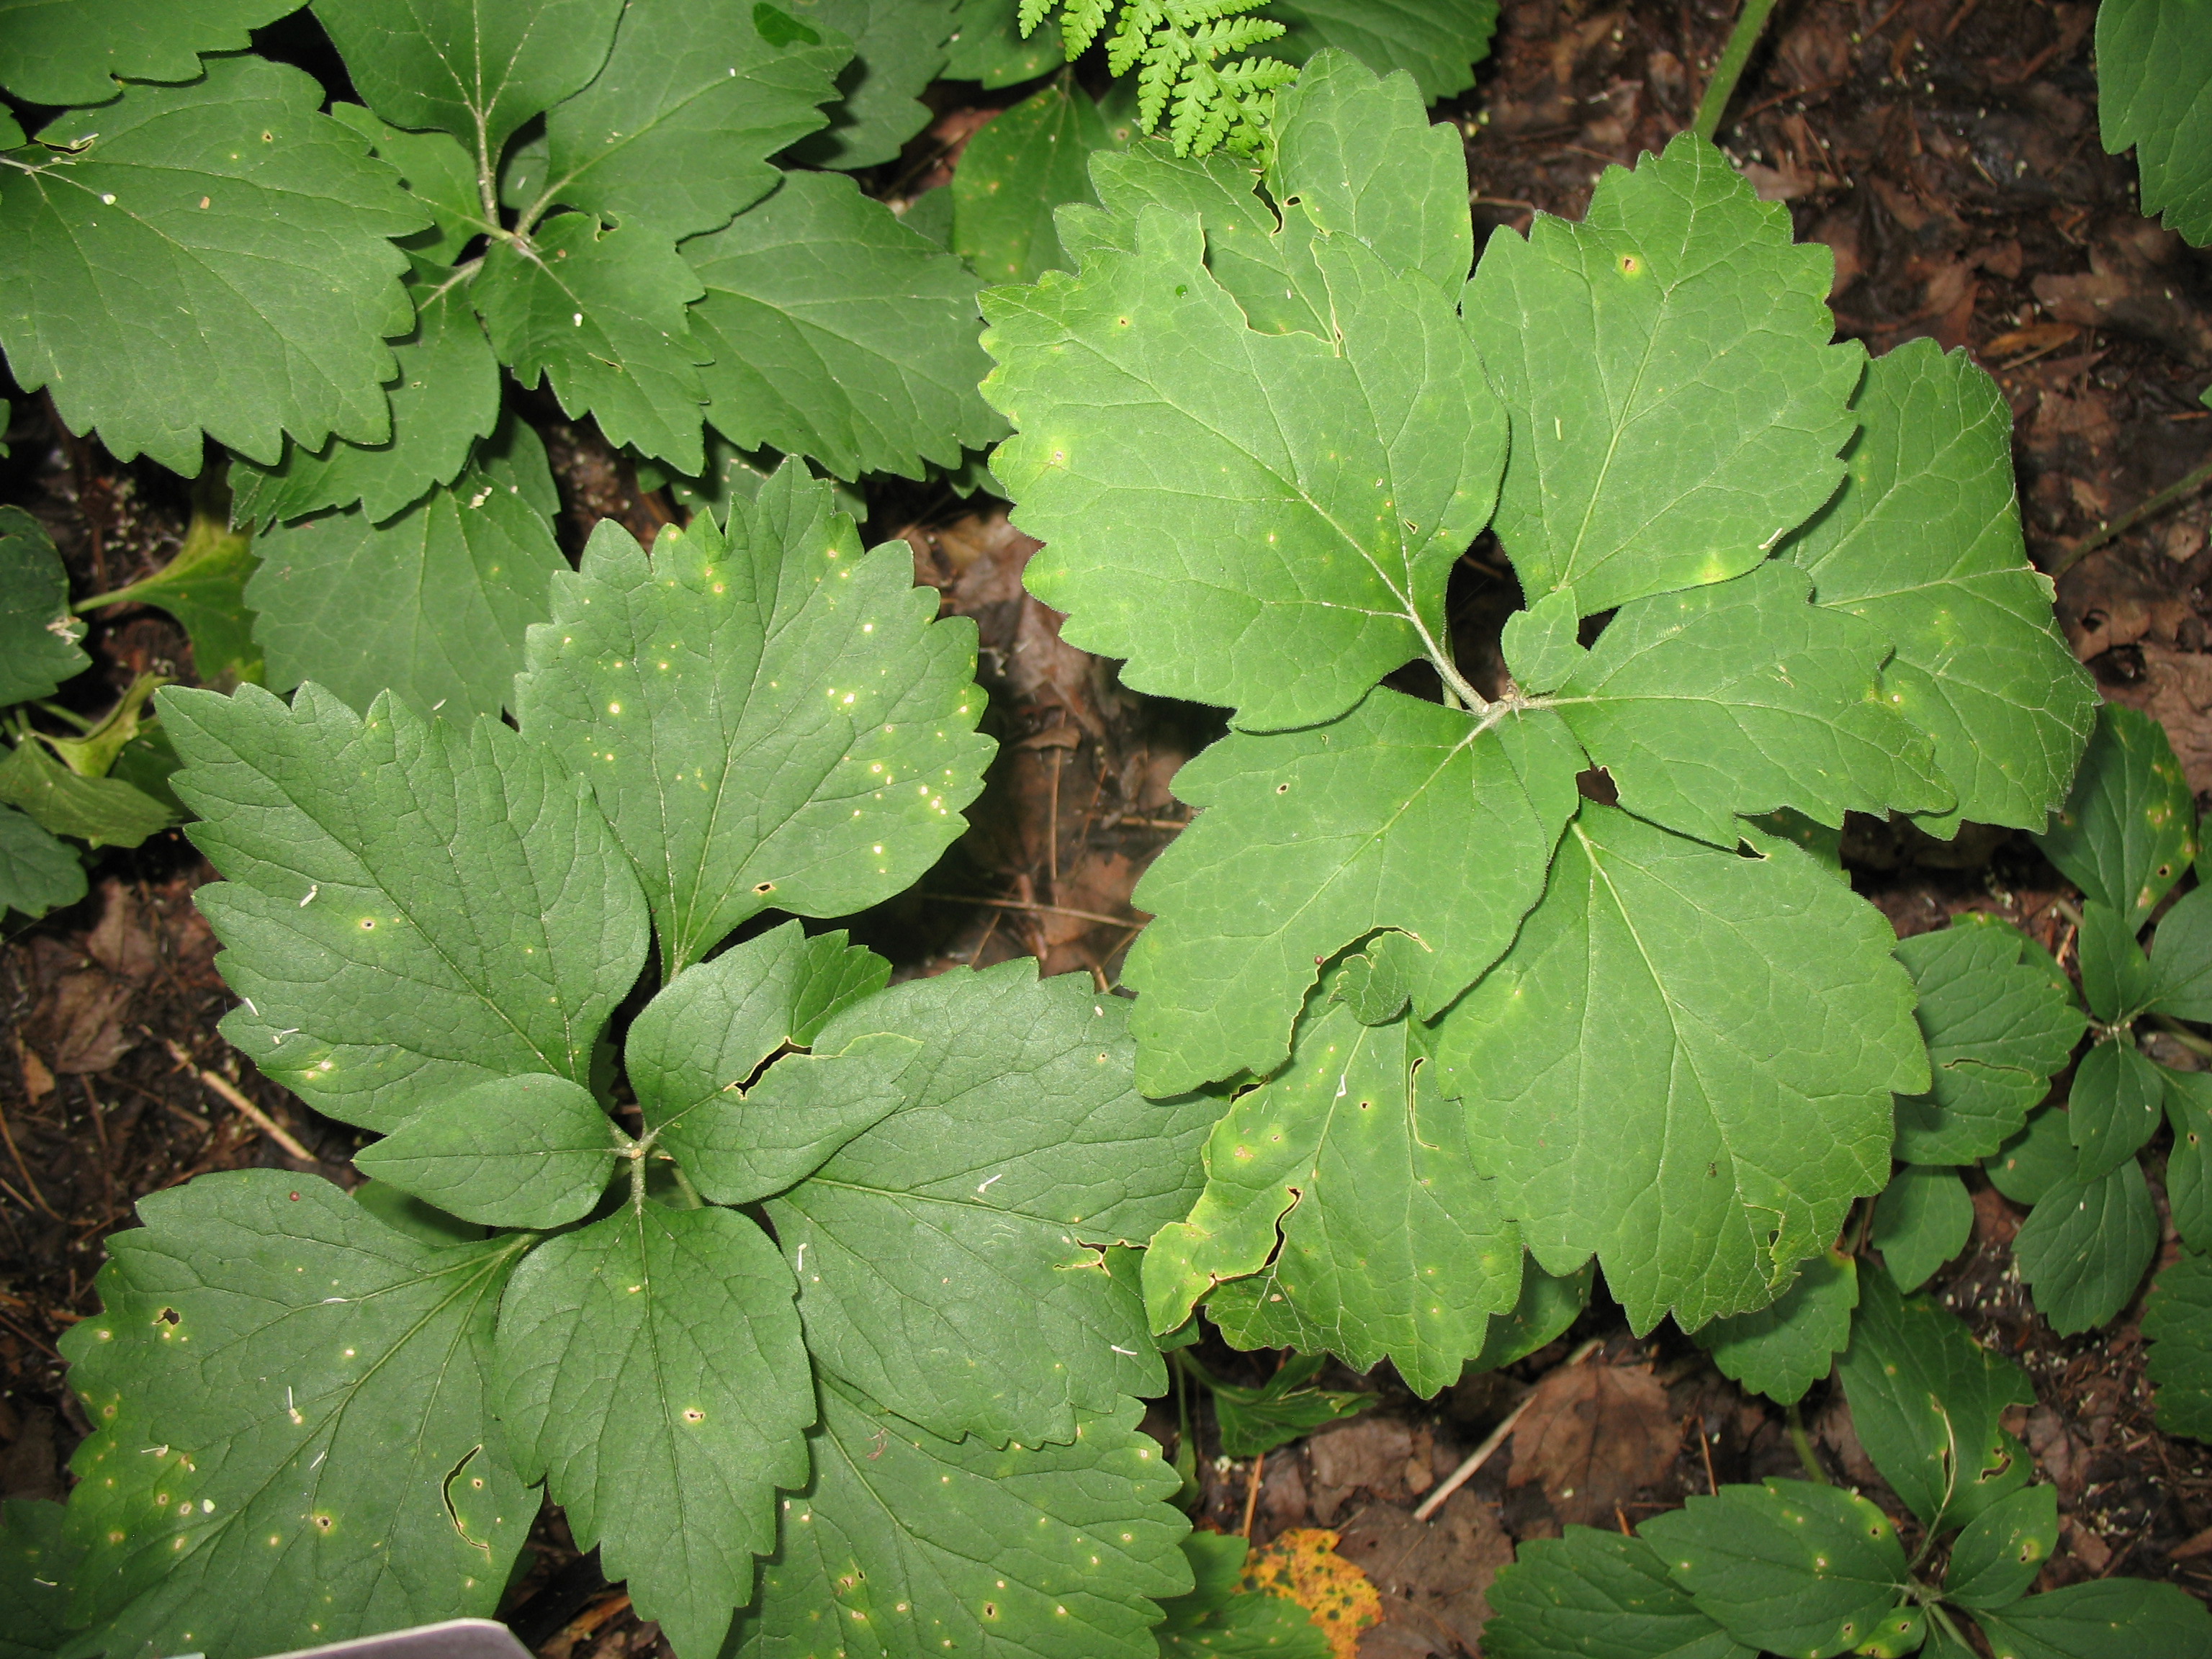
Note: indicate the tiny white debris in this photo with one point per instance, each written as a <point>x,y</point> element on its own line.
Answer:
<point>481,496</point>
<point>1001,1175</point>
<point>108,199</point>
<point>1118,1348</point>
<point>802,1258</point>
<point>288,1031</point>
<point>314,888</point>
<point>249,1008</point>
<point>580,320</point>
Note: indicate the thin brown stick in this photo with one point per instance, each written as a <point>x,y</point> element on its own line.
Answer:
<point>1706,1451</point>
<point>1032,906</point>
<point>1051,827</point>
<point>1497,1437</point>
<point>220,1084</point>
<point>16,1152</point>
<point>1252,1495</point>
<point>2188,485</point>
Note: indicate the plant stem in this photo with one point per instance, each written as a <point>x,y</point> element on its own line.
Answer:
<point>1804,1443</point>
<point>2188,485</point>
<point>2182,1034</point>
<point>1749,23</point>
<point>1950,1628</point>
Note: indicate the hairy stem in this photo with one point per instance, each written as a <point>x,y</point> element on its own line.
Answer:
<point>1749,24</point>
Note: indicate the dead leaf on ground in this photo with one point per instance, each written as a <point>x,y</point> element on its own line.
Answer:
<point>1383,1456</point>
<point>1434,1576</point>
<point>81,1024</point>
<point>2176,690</point>
<point>1595,1435</point>
<point>2132,286</point>
<point>120,941</point>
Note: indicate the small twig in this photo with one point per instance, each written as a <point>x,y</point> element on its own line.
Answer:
<point>2188,485</point>
<point>1706,1451</point>
<point>1497,1437</point>
<point>1749,24</point>
<point>16,1152</point>
<point>260,1119</point>
<point>1031,905</point>
<point>1252,1496</point>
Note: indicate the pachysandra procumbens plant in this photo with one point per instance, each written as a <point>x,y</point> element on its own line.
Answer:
<point>834,1298</point>
<point>1479,1011</point>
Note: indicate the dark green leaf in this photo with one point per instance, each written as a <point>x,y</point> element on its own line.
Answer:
<point>438,173</point>
<point>37,873</point>
<point>410,908</point>
<point>898,49</point>
<point>987,45</point>
<point>2181,958</point>
<point>2189,1166</point>
<point>2177,1324</point>
<point>1286,1407</point>
<point>105,811</point>
<point>293,1429</point>
<point>2117,978</point>
<point>2084,1247</point>
<point>2116,1101</point>
<point>1785,1347</point>
<point>38,634</point>
<point>1548,1305</point>
<point>1591,1595</point>
<point>517,1152</point>
<point>204,587</point>
<point>424,1223</point>
<point>1439,42</point>
<point>2104,1619</point>
<point>71,51</point>
<point>2039,1157</point>
<point>35,1565</point>
<point>1015,171</point>
<point>651,1375</point>
<point>2153,66</point>
<point>1220,1618</point>
<point>1923,1219</point>
<point>2129,829</point>
<point>1996,1559</point>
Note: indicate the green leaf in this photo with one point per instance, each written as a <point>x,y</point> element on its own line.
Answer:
<point>2176,1322</point>
<point>949,1258</point>
<point>292,1435</point>
<point>1286,1407</point>
<point>651,1375</point>
<point>1926,1399</point>
<point>1996,1559</point>
<point>770,718</point>
<point>1438,42</point>
<point>2116,1101</point>
<point>1220,1617</point>
<point>477,68</point>
<point>93,753</point>
<point>602,315</point>
<point>1334,484</point>
<point>438,173</point>
<point>204,587</point>
<point>431,606</point>
<point>410,908</point>
<point>1015,171</point>
<point>907,1543</point>
<point>676,130</point>
<point>2116,979</point>
<point>1677,407</point>
<point>105,811</point>
<point>987,45</point>
<point>536,1150</point>
<point>1923,542</point>
<point>38,634</point>
<point>2084,1247</point>
<point>404,1213</point>
<point>2129,829</point>
<point>2038,1157</point>
<point>1621,1079</point>
<point>837,333</point>
<point>2000,1020</point>
<point>1541,644</point>
<point>1400,815</point>
<point>1591,1595</point>
<point>1787,1565</point>
<point>2189,1166</point>
<point>72,51</point>
<point>2181,958</point>
<point>1392,1245</point>
<point>447,397</point>
<point>36,1564</point>
<point>898,49</point>
<point>260,315</point>
<point>1923,1219</point>
<point>1376,983</point>
<point>1548,1305</point>
<point>2104,1619</point>
<point>697,1046</point>
<point>1741,697</point>
<point>1785,1347</point>
<point>37,873</point>
<point>2153,70</point>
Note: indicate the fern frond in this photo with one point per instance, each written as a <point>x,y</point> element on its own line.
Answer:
<point>1233,35</point>
<point>1184,53</point>
<point>1031,13</point>
<point>1080,22</point>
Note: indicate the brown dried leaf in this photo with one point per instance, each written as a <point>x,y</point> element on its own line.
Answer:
<point>1595,1435</point>
<point>1434,1576</point>
<point>82,1024</point>
<point>120,941</point>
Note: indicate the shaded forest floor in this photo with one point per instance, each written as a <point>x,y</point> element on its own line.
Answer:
<point>1947,152</point>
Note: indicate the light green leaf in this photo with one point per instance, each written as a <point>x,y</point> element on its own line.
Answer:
<point>1402,815</point>
<point>2189,1164</point>
<point>770,718</point>
<point>2035,1159</point>
<point>1015,171</point>
<point>651,1375</point>
<point>898,49</point>
<point>1541,643</point>
<point>2103,1619</point>
<point>602,315</point>
<point>259,314</point>
<point>105,811</point>
<point>447,397</point>
<point>1995,1560</point>
<point>1923,542</point>
<point>697,1045</point>
<point>535,1151</point>
<point>1332,485</point>
<point>907,1543</point>
<point>477,68</point>
<point>1438,42</point>
<point>2129,829</point>
<point>2083,1249</point>
<point>1376,983</point>
<point>1926,1399</point>
<point>2176,1322</point>
<point>837,333</point>
<point>1391,1244</point>
<point>431,605</point>
<point>1923,1219</point>
<point>949,1258</point>
<point>2114,1107</point>
<point>438,173</point>
<point>93,753</point>
<point>1286,1407</point>
<point>675,131</point>
<point>293,1429</point>
<point>409,908</point>
<point>36,1564</point>
<point>38,634</point>
<point>1591,1595</point>
<point>1741,697</point>
<point>1787,1565</point>
<point>1677,408</point>
<point>987,45</point>
<point>2000,1020</point>
<point>2155,93</point>
<point>1785,1347</point>
<point>37,872</point>
<point>2116,979</point>
<point>2181,954</point>
<point>204,587</point>
<point>1220,1617</point>
<point>1623,1078</point>
<point>71,51</point>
